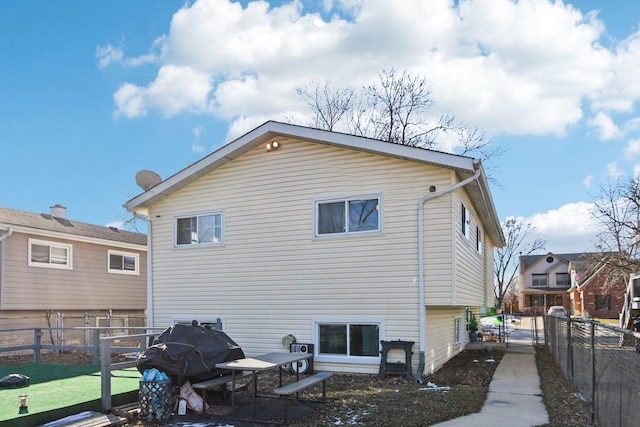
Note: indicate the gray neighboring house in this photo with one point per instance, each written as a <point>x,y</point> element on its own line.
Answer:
<point>78,272</point>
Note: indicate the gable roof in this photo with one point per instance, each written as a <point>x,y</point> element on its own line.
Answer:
<point>47,224</point>
<point>527,261</point>
<point>463,166</point>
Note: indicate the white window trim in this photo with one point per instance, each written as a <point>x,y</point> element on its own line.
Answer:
<point>68,247</point>
<point>466,221</point>
<point>197,245</point>
<point>458,331</point>
<point>360,360</point>
<point>352,234</point>
<point>479,240</point>
<point>135,272</point>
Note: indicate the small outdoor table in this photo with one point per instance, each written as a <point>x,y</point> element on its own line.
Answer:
<point>264,362</point>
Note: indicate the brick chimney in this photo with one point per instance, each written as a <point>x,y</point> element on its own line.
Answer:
<point>58,211</point>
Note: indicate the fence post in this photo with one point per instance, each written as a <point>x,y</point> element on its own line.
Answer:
<point>105,374</point>
<point>592,404</point>
<point>86,331</point>
<point>569,350</point>
<point>96,346</point>
<point>37,342</point>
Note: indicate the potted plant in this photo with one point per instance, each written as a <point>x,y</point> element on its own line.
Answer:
<point>473,328</point>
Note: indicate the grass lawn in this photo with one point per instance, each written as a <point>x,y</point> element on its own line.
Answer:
<point>56,391</point>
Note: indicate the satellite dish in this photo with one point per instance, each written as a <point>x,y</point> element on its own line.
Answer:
<point>147,179</point>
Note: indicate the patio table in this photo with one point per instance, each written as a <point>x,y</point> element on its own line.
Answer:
<point>264,362</point>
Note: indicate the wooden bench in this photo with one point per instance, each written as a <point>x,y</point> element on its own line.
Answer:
<point>218,381</point>
<point>296,387</point>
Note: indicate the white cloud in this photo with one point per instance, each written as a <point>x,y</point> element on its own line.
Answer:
<point>613,171</point>
<point>632,150</point>
<point>604,126</point>
<point>588,181</point>
<point>107,55</point>
<point>570,228</point>
<point>174,90</point>
<point>196,148</point>
<point>526,67</point>
<point>197,131</point>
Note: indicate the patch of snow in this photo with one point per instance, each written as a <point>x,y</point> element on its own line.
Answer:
<point>433,387</point>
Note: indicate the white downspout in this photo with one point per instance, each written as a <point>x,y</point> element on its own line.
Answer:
<point>9,233</point>
<point>149,277</point>
<point>423,312</point>
<point>147,219</point>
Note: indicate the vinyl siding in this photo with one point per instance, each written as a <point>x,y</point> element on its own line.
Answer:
<point>87,286</point>
<point>272,277</point>
<point>440,336</point>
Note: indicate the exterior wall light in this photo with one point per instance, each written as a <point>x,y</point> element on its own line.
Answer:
<point>273,146</point>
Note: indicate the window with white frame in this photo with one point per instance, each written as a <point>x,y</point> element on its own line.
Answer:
<point>348,341</point>
<point>539,280</point>
<point>123,262</point>
<point>479,241</point>
<point>204,229</point>
<point>466,221</point>
<point>457,330</point>
<point>50,254</point>
<point>348,216</point>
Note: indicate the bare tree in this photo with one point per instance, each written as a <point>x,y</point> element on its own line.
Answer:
<point>505,262</point>
<point>328,106</point>
<point>395,109</point>
<point>617,211</point>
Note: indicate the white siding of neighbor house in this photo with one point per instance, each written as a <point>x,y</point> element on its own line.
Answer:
<point>543,267</point>
<point>272,278</point>
<point>87,286</point>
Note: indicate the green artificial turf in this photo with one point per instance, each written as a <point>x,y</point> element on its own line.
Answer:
<point>55,387</point>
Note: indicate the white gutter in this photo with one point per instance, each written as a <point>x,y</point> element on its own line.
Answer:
<point>423,311</point>
<point>9,233</point>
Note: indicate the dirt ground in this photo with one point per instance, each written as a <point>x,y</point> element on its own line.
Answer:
<point>460,387</point>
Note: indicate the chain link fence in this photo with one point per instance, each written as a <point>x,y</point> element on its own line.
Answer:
<point>64,331</point>
<point>602,362</point>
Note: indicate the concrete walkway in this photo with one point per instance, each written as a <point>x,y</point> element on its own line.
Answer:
<point>514,393</point>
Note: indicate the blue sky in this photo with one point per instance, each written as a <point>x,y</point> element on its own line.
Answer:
<point>92,92</point>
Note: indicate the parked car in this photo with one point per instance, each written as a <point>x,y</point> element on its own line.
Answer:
<point>557,310</point>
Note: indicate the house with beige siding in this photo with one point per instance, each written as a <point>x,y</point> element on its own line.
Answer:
<point>67,271</point>
<point>339,241</point>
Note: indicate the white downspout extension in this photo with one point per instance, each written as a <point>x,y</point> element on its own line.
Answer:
<point>423,313</point>
<point>9,233</point>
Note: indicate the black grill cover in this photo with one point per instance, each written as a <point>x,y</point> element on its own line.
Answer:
<point>187,352</point>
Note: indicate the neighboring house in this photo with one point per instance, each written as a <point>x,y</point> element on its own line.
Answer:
<point>595,291</point>
<point>338,240</point>
<point>544,281</point>
<point>580,282</point>
<point>54,266</point>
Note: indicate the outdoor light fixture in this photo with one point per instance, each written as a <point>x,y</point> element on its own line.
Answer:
<point>273,146</point>
<point>24,404</point>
